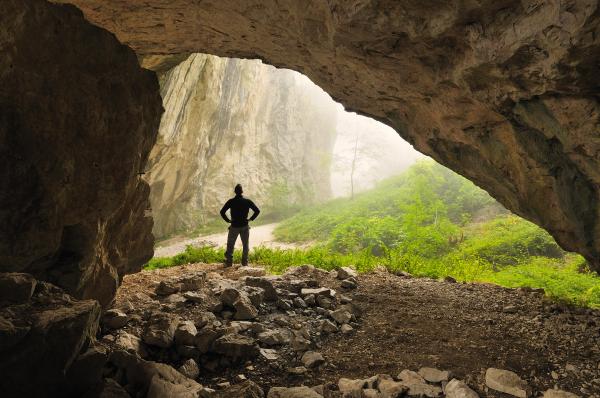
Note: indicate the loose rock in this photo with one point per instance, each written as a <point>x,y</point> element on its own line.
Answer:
<point>311,359</point>
<point>506,381</point>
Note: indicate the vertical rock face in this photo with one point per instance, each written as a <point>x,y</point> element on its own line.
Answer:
<point>228,121</point>
<point>78,118</point>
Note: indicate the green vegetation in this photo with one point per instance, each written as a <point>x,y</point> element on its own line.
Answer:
<point>429,222</point>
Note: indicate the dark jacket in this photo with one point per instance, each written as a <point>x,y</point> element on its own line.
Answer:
<point>240,207</point>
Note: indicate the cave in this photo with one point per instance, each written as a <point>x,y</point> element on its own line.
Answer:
<point>503,92</point>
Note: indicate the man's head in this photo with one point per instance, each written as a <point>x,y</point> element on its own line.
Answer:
<point>238,189</point>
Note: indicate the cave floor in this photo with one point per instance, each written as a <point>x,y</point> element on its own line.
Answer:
<point>408,323</point>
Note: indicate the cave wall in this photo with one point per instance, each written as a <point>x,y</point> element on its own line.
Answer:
<point>78,118</point>
<point>228,121</point>
<point>503,92</point>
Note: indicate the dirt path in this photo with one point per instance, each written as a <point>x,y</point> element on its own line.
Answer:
<point>259,235</point>
<point>408,323</point>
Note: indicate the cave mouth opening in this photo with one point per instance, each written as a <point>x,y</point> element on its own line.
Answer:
<point>229,121</point>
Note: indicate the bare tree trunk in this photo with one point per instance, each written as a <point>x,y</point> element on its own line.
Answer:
<point>353,169</point>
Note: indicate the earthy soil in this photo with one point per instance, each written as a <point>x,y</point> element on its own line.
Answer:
<point>407,323</point>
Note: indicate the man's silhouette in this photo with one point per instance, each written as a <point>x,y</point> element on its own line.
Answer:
<point>239,208</point>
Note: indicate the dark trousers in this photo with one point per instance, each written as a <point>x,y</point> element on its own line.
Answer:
<point>244,233</point>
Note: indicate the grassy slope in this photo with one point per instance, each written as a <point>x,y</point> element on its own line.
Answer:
<point>421,222</point>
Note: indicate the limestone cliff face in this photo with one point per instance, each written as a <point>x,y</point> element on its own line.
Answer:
<point>228,121</point>
<point>504,92</point>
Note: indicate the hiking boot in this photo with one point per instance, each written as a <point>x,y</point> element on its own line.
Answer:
<point>227,264</point>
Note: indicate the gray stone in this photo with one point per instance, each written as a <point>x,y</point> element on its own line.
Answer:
<point>310,300</point>
<point>255,294</point>
<point>346,329</point>
<point>205,339</point>
<point>166,288</point>
<point>328,327</point>
<point>390,388</point>
<point>349,283</point>
<point>320,291</point>
<point>409,376</point>
<point>325,302</point>
<point>341,316</point>
<point>194,297</point>
<point>193,282</point>
<point>311,359</point>
<point>160,330</point>
<point>458,389</point>
<point>423,390</point>
<point>265,284</point>
<point>114,319</point>
<point>351,388</point>
<point>130,343</point>
<point>269,354</point>
<point>433,375</point>
<point>244,310</point>
<point>346,272</point>
<point>299,343</point>
<point>273,337</point>
<point>185,334</point>
<point>297,370</point>
<point>16,287</point>
<point>293,392</point>
<point>284,304</point>
<point>189,369</point>
<point>299,303</point>
<point>506,381</point>
<point>236,346</point>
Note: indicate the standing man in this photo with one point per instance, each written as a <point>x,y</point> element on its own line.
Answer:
<point>240,207</point>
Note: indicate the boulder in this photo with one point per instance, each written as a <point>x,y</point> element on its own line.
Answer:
<point>270,293</point>
<point>274,337</point>
<point>185,334</point>
<point>346,272</point>
<point>160,330</point>
<point>409,376</point>
<point>236,346</point>
<point>349,283</point>
<point>341,316</point>
<point>507,382</point>
<point>42,339</point>
<point>351,388</point>
<point>458,389</point>
<point>312,359</point>
<point>166,288</point>
<point>114,319</point>
<point>193,282</point>
<point>293,392</point>
<point>320,291</point>
<point>255,294</point>
<point>152,379</point>
<point>194,297</point>
<point>423,390</point>
<point>16,287</point>
<point>433,375</point>
<point>189,369</point>
<point>328,327</point>
<point>390,388</point>
<point>205,338</point>
<point>346,329</point>
<point>233,298</point>
<point>130,343</point>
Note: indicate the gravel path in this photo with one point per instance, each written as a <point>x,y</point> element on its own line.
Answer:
<point>261,235</point>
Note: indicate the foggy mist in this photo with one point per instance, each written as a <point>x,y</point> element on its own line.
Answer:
<point>380,151</point>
